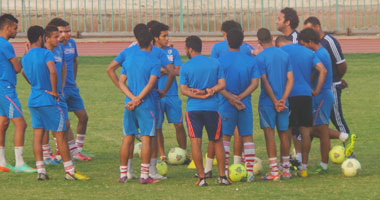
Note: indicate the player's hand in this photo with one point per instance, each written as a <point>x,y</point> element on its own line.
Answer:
<point>130,106</point>
<point>314,92</point>
<point>54,94</point>
<point>197,91</point>
<point>257,50</point>
<point>280,105</point>
<point>210,92</point>
<point>344,84</point>
<point>27,47</point>
<point>161,93</point>
<point>239,105</point>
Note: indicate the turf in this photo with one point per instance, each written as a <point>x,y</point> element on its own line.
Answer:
<point>104,104</point>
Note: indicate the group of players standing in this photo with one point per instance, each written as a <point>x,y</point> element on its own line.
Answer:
<point>301,84</point>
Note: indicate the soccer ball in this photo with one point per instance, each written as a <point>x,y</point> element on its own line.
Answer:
<point>236,172</point>
<point>351,167</point>
<point>162,168</point>
<point>137,150</point>
<point>176,156</point>
<point>258,166</point>
<point>337,155</point>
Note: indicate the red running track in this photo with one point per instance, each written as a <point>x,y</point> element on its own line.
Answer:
<point>114,48</point>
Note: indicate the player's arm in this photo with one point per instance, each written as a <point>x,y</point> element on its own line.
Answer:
<point>342,68</point>
<point>75,68</point>
<point>16,64</point>
<point>185,90</point>
<point>251,88</point>
<point>217,88</point>
<point>232,99</point>
<point>124,88</point>
<point>24,75</point>
<point>53,79</point>
<point>268,89</point>
<point>169,81</point>
<point>321,79</point>
<point>111,71</point>
<point>63,75</point>
<point>288,86</point>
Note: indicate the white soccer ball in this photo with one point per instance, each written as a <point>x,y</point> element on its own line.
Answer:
<point>351,167</point>
<point>176,156</point>
<point>257,166</point>
<point>137,150</point>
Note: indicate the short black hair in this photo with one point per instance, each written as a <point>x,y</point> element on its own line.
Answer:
<point>49,30</point>
<point>291,15</point>
<point>158,28</point>
<point>58,22</point>
<point>281,38</point>
<point>230,24</point>
<point>312,20</point>
<point>194,42</point>
<point>307,35</point>
<point>144,38</point>
<point>235,38</point>
<point>34,32</point>
<point>139,28</point>
<point>7,19</point>
<point>264,35</point>
<point>152,23</point>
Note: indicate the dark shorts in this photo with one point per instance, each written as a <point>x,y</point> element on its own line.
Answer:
<point>211,120</point>
<point>301,111</point>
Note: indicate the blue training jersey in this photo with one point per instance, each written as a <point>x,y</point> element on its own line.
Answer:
<point>70,53</point>
<point>333,47</point>
<point>221,48</point>
<point>239,69</point>
<point>35,68</point>
<point>324,56</point>
<point>274,63</point>
<point>175,59</point>
<point>303,60</point>
<point>201,72</point>
<point>138,68</point>
<point>59,61</point>
<point>7,72</point>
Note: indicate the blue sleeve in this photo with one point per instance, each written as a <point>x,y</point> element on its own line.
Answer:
<point>123,71</point>
<point>288,65</point>
<point>8,51</point>
<point>120,58</point>
<point>156,70</point>
<point>49,57</point>
<point>315,60</point>
<point>214,52</point>
<point>177,58</point>
<point>260,65</point>
<point>255,71</point>
<point>220,71</point>
<point>75,49</point>
<point>183,79</point>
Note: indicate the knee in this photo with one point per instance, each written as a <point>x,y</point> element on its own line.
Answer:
<point>178,125</point>
<point>83,117</point>
<point>4,123</point>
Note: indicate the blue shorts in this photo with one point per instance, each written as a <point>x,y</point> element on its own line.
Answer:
<point>48,118</point>
<point>322,106</point>
<point>142,118</point>
<point>172,106</point>
<point>242,119</point>
<point>270,118</point>
<point>73,99</point>
<point>62,104</point>
<point>211,120</point>
<point>10,106</point>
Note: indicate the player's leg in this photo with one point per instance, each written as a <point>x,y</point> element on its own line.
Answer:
<point>323,132</point>
<point>130,173</point>
<point>124,154</point>
<point>245,128</point>
<point>304,114</point>
<point>282,123</point>
<point>229,125</point>
<point>4,123</point>
<point>226,145</point>
<point>81,128</point>
<point>160,136</point>
<point>238,146</point>
<point>337,113</point>
<point>38,134</point>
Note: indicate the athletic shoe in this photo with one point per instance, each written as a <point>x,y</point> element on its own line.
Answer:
<point>271,177</point>
<point>350,144</point>
<point>81,157</point>
<point>7,168</point>
<point>352,156</point>
<point>286,175</point>
<point>223,180</point>
<point>250,178</point>
<point>148,180</point>
<point>201,182</point>
<point>131,175</point>
<point>124,179</point>
<point>76,176</point>
<point>25,168</point>
<point>163,158</point>
<point>42,177</point>
<point>321,171</point>
<point>302,173</point>
<point>294,164</point>
<point>207,175</point>
<point>4,169</point>
<point>85,153</point>
<point>49,161</point>
<point>157,176</point>
<point>187,161</point>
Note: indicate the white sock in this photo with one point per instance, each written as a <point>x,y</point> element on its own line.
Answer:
<point>343,136</point>
<point>299,157</point>
<point>303,166</point>
<point>80,141</point>
<point>3,162</point>
<point>130,169</point>
<point>152,168</point>
<point>226,145</point>
<point>323,165</point>
<point>144,171</point>
<point>40,167</point>
<point>237,159</point>
<point>123,171</point>
<point>19,156</point>
<point>69,167</point>
<point>73,148</point>
<point>208,166</point>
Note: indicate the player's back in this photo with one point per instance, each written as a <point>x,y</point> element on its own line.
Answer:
<point>7,72</point>
<point>324,56</point>
<point>35,67</point>
<point>221,48</point>
<point>302,60</point>
<point>70,53</point>
<point>275,64</point>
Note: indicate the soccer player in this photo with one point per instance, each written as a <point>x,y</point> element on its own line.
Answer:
<point>323,102</point>
<point>303,60</point>
<point>141,78</point>
<point>10,107</point>
<point>287,22</point>
<point>40,72</point>
<point>171,104</point>
<point>339,68</point>
<point>276,85</point>
<point>200,79</point>
<point>242,78</point>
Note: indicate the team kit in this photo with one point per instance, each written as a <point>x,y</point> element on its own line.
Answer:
<point>300,75</point>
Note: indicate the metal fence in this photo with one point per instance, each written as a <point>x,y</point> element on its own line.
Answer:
<point>109,16</point>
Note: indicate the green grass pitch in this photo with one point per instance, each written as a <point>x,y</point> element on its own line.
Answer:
<point>104,104</point>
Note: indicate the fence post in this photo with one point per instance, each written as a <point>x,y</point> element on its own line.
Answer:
<point>181,16</point>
